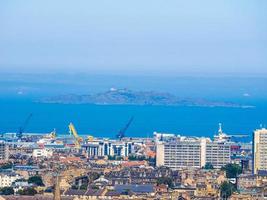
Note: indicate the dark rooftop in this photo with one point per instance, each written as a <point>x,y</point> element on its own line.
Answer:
<point>134,188</point>
<point>262,173</point>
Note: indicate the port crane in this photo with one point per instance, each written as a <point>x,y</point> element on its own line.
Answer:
<point>53,134</point>
<point>23,127</point>
<point>121,133</point>
<point>78,139</point>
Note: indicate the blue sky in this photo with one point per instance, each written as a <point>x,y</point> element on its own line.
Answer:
<point>164,37</point>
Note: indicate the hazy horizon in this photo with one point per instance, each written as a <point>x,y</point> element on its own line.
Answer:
<point>218,38</point>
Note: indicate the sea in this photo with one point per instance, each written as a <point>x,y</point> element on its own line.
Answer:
<point>20,101</point>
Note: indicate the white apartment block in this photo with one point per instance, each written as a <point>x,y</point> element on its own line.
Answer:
<point>43,153</point>
<point>218,154</point>
<point>192,152</point>
<point>259,150</point>
<point>4,151</point>
<point>6,179</point>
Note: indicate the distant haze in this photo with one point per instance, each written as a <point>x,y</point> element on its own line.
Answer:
<point>141,36</point>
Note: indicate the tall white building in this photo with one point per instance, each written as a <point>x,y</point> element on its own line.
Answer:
<point>259,150</point>
<point>4,151</point>
<point>218,154</point>
<point>6,179</point>
<point>192,152</point>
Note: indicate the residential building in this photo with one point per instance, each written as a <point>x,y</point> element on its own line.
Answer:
<point>218,154</point>
<point>44,153</point>
<point>246,181</point>
<point>259,150</point>
<point>6,179</point>
<point>179,154</point>
<point>4,151</point>
<point>192,152</point>
<point>20,185</point>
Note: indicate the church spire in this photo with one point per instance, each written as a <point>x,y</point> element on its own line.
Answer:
<point>57,189</point>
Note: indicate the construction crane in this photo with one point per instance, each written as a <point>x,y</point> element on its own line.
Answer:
<point>121,133</point>
<point>23,127</point>
<point>90,138</point>
<point>78,140</point>
<point>53,134</point>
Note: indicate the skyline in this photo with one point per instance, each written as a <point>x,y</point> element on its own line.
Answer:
<point>177,38</point>
<point>133,99</point>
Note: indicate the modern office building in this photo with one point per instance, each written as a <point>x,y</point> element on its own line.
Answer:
<point>259,150</point>
<point>192,152</point>
<point>4,151</point>
<point>99,148</point>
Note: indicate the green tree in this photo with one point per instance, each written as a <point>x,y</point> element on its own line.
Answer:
<point>37,180</point>
<point>95,187</point>
<point>93,176</point>
<point>226,189</point>
<point>139,158</point>
<point>111,157</point>
<point>74,187</point>
<point>28,191</point>
<point>6,166</point>
<point>83,187</point>
<point>165,180</point>
<point>232,170</point>
<point>208,166</point>
<point>7,191</point>
<point>126,191</point>
<point>132,157</point>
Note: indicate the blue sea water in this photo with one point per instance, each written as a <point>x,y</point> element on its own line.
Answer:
<point>18,92</point>
<point>105,121</point>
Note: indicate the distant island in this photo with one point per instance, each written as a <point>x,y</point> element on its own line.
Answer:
<point>130,97</point>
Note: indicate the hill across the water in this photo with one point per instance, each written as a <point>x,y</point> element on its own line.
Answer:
<point>130,97</point>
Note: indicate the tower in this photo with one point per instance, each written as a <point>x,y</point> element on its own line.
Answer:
<point>259,150</point>
<point>57,189</point>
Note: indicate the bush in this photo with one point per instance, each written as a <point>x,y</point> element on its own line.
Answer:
<point>95,187</point>
<point>227,190</point>
<point>83,187</point>
<point>74,187</point>
<point>139,158</point>
<point>232,170</point>
<point>7,191</point>
<point>6,166</point>
<point>37,180</point>
<point>165,181</point>
<point>28,192</point>
<point>208,166</point>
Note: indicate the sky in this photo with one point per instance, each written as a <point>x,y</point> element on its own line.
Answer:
<point>146,37</point>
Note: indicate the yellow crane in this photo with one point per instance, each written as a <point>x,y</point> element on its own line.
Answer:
<point>90,138</point>
<point>78,140</point>
<point>53,134</point>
